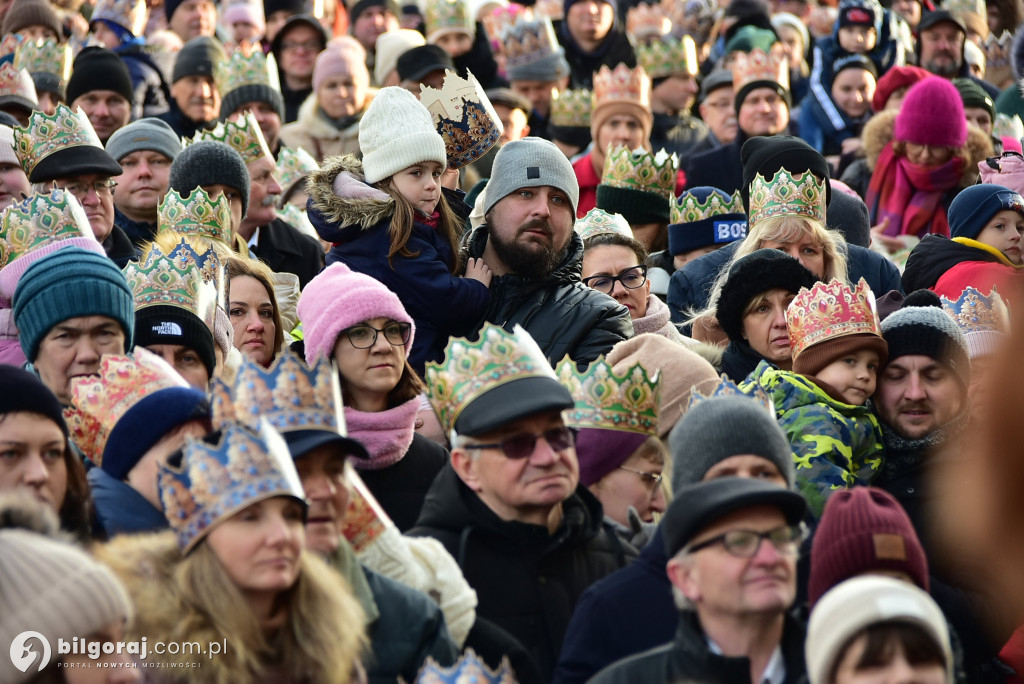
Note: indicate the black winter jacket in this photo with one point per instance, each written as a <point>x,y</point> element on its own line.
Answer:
<point>616,48</point>
<point>282,247</point>
<point>933,256</point>
<point>401,488</point>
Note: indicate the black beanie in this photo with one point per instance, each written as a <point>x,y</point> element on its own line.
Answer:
<point>173,325</point>
<point>22,391</point>
<point>765,155</point>
<point>170,6</point>
<point>97,68</point>
<point>251,92</point>
<point>198,57</point>
<point>289,6</point>
<point>210,163</point>
<point>636,206</point>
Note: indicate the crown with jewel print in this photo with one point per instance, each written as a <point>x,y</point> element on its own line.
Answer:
<point>831,310</point>
<point>16,86</point>
<point>786,194</point>
<point>45,56</point>
<point>984,320</point>
<point>600,222</point>
<point>529,40</point>
<point>464,117</point>
<point>997,49</point>
<point>128,14</point>
<point>294,164</point>
<point>728,388</point>
<point>245,137</point>
<point>621,84</point>
<point>468,668</point>
<point>644,22</point>
<point>196,214</point>
<point>668,57</point>
<point>447,16</point>
<point>47,134</point>
<point>41,220</point>
<point>571,108</point>
<point>246,66</point>
<point>689,208</point>
<point>641,171</point>
<point>10,44</point>
<point>758,67</point>
<point>212,482</point>
<point>1007,126</point>
<point>607,401</point>
<point>184,279</point>
<point>497,20</point>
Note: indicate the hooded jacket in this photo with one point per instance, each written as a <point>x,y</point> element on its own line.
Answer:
<point>527,580</point>
<point>564,316</point>
<point>152,94</point>
<point>614,49</point>
<point>948,267</point>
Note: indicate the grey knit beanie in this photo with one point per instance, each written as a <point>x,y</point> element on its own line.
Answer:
<point>530,163</point>
<point>144,134</point>
<point>720,427</point>
<point>210,163</point>
<point>928,331</point>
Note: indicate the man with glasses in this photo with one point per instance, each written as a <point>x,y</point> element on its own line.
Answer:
<point>733,545</point>
<point>295,48</point>
<point>510,509</point>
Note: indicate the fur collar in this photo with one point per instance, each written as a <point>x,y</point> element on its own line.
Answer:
<point>365,212</point>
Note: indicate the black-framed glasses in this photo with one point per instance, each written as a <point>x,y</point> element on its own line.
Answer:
<point>522,445</point>
<point>746,543</point>
<point>364,336</point>
<point>631,279</point>
<point>651,479</point>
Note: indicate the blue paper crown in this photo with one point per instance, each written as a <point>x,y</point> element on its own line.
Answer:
<point>728,388</point>
<point>468,668</point>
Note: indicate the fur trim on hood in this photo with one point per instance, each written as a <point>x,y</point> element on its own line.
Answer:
<point>365,209</point>
<point>879,131</point>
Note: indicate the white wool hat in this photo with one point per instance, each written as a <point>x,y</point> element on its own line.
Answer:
<point>396,132</point>
<point>391,46</point>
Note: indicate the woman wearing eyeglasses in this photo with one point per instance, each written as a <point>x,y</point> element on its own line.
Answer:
<point>361,325</point>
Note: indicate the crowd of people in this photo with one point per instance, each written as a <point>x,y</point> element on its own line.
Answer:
<point>477,341</point>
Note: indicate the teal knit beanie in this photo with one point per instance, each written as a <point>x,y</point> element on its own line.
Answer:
<point>69,283</point>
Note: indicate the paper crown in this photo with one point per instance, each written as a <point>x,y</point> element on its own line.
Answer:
<point>47,134</point>
<point>245,137</point>
<point>550,9</point>
<point>600,222</point>
<point>605,400</point>
<point>129,14</point>
<point>468,669</point>
<point>1007,126</point>
<point>831,310</point>
<point>756,66</point>
<point>997,49</point>
<point>528,41</point>
<point>40,220</point>
<point>45,56</point>
<point>976,313</point>
<point>247,65</point>
<point>786,194</point>
<point>695,18</point>
<point>622,84</point>
<point>196,214</point>
<point>728,388</point>
<point>571,108</point>
<point>289,394</point>
<point>959,6</point>
<point>645,21</point>
<point>443,16</point>
<point>641,171</point>
<point>183,279</point>
<point>498,19</point>
<point>214,481</point>
<point>98,402</point>
<point>472,368</point>
<point>294,164</point>
<point>667,57</point>
<point>9,44</point>
<point>463,116</point>
<point>18,82</point>
<point>687,208</point>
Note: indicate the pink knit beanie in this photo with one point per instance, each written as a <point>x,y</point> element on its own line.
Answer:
<point>341,56</point>
<point>244,13</point>
<point>932,114</point>
<point>339,298</point>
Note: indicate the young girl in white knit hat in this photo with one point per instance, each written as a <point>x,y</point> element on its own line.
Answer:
<point>388,218</point>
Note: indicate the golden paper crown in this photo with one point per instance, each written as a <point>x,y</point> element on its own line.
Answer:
<point>98,402</point>
<point>528,41</point>
<point>667,57</point>
<point>470,369</point>
<point>40,220</point>
<point>247,65</point>
<point>641,171</point>
<point>468,669</point>
<point>786,194</point>
<point>644,22</point>
<point>245,137</point>
<point>183,279</point>
<point>293,164</point>
<point>759,66</point>
<point>622,84</point>
<point>1007,126</point>
<point>197,214</point>
<point>463,116</point>
<point>46,134</point>
<point>997,49</point>
<point>600,222</point>
<point>571,108</point>
<point>831,310</point>
<point>45,56</point>
<point>728,388</point>
<point>604,400</point>
<point>447,15</point>
<point>215,481</point>
<point>128,14</point>
<point>17,82</point>
<point>977,313</point>
<point>688,208</point>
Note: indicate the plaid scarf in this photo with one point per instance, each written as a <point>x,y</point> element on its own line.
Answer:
<point>910,195</point>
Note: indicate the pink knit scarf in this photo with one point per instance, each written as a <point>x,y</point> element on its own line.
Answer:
<point>385,434</point>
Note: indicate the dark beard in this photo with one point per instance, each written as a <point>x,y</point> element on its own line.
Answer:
<point>531,264</point>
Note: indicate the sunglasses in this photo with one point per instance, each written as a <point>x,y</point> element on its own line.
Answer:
<point>522,445</point>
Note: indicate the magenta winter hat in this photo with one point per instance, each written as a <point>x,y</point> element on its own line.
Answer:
<point>339,298</point>
<point>932,114</point>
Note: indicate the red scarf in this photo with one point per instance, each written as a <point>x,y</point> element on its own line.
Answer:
<point>910,195</point>
<point>428,220</point>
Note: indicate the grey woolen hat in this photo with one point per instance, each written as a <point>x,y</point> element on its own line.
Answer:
<point>720,427</point>
<point>210,163</point>
<point>530,162</point>
<point>144,134</point>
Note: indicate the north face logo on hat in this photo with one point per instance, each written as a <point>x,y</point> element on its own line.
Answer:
<point>168,328</point>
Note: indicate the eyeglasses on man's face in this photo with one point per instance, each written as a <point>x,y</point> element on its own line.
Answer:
<point>746,543</point>
<point>101,188</point>
<point>523,444</point>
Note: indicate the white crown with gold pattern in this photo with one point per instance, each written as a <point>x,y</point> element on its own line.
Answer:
<point>758,66</point>
<point>463,116</point>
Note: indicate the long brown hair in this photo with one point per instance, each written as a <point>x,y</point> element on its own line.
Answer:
<point>400,229</point>
<point>241,266</point>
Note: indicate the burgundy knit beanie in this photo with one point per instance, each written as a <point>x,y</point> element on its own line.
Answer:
<point>932,114</point>
<point>894,79</point>
<point>863,529</point>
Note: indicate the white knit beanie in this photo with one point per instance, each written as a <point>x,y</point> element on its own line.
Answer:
<point>396,132</point>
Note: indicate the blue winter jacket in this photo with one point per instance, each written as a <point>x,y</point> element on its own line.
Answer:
<point>120,509</point>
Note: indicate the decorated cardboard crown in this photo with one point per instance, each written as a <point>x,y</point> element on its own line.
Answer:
<point>129,14</point>
<point>528,41</point>
<point>571,108</point>
<point>605,400</point>
<point>183,279</point>
<point>9,44</point>
<point>984,320</point>
<point>40,220</point>
<point>245,137</point>
<point>470,369</point>
<point>758,66</point>
<point>600,222</point>
<point>98,402</point>
<point>44,56</point>
<point>644,22</point>
<point>445,16</point>
<point>463,116</point>
<point>831,310</point>
<point>550,9</point>
<point>786,194</point>
<point>641,171</point>
<point>728,388</point>
<point>197,214</point>
<point>468,668</point>
<point>667,57</point>
<point>622,84</point>
<point>214,481</point>
<point>960,6</point>
<point>997,49</point>
<point>687,208</point>
<point>1007,126</point>
<point>47,134</point>
<point>294,164</point>
<point>694,18</point>
<point>247,65</point>
<point>18,82</point>
<point>497,20</point>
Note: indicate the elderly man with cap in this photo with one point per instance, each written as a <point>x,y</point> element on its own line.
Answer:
<point>528,537</point>
<point>145,150</point>
<point>529,244</point>
<point>191,18</point>
<point>196,100</point>
<point>717,111</point>
<point>295,47</point>
<point>101,86</point>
